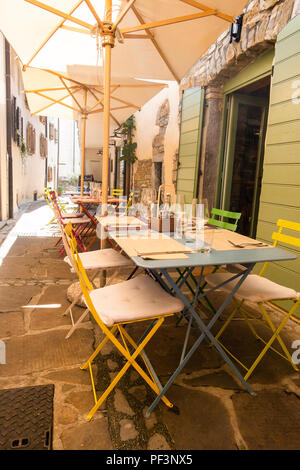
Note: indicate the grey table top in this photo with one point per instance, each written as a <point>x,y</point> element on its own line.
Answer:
<point>215,257</point>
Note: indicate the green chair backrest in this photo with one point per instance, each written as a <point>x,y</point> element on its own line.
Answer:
<point>234,217</point>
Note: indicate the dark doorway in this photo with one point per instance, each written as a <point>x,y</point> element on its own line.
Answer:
<point>244,153</point>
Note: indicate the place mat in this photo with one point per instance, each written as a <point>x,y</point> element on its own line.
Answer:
<point>221,243</point>
<point>123,221</point>
<point>158,248</point>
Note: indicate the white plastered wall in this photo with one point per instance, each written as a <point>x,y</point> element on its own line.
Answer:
<point>3,158</point>
<point>146,128</point>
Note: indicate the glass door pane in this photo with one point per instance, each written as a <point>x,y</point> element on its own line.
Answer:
<point>243,159</point>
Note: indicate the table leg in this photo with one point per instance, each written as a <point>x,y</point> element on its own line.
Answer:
<point>205,332</point>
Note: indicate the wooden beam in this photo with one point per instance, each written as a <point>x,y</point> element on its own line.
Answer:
<point>158,24</point>
<point>114,119</point>
<point>65,77</point>
<point>49,105</point>
<point>52,33</point>
<point>135,36</point>
<point>123,13</point>
<point>49,89</point>
<point>130,105</point>
<point>56,12</point>
<point>95,14</point>
<point>76,30</point>
<point>57,101</point>
<point>83,128</point>
<point>157,47</point>
<point>202,7</point>
<point>72,95</point>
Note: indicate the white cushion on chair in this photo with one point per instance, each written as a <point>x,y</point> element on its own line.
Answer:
<point>133,300</point>
<point>72,215</point>
<point>254,288</point>
<point>78,220</point>
<point>107,258</point>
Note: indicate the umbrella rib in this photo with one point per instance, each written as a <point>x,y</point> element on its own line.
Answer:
<point>135,36</point>
<point>71,94</point>
<point>57,101</point>
<point>49,105</point>
<point>96,16</point>
<point>122,14</point>
<point>155,44</point>
<point>130,105</point>
<point>59,75</point>
<point>66,16</point>
<point>114,119</point>
<point>178,19</point>
<point>53,32</point>
<point>203,7</point>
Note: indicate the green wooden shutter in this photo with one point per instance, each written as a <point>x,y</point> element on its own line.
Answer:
<point>190,142</point>
<point>280,195</point>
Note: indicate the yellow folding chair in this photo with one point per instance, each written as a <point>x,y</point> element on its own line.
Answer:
<point>264,293</point>
<point>117,192</point>
<point>113,307</point>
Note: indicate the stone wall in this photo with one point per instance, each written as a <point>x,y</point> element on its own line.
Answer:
<point>262,22</point>
<point>143,174</point>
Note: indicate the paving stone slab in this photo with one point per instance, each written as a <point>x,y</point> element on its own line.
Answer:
<point>46,351</point>
<point>270,420</point>
<point>73,376</point>
<point>203,422</point>
<point>13,298</point>
<point>88,436</point>
<point>241,342</point>
<point>45,318</point>
<point>82,401</point>
<point>11,324</point>
<point>164,349</point>
<point>12,270</point>
<point>127,430</point>
<point>57,269</point>
<point>219,379</point>
<point>158,442</point>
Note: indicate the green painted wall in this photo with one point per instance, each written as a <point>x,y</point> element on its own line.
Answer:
<point>280,196</point>
<point>190,142</point>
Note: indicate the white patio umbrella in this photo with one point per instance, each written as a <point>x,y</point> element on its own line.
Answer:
<point>52,93</point>
<point>151,39</point>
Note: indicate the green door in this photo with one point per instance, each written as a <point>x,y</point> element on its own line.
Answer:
<point>280,193</point>
<point>190,143</point>
<point>243,158</point>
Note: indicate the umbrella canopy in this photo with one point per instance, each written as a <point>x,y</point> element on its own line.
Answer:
<point>158,39</point>
<point>52,93</point>
<point>152,39</point>
<point>55,94</point>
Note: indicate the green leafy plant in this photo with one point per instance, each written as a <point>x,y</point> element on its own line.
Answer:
<point>129,148</point>
<point>23,146</point>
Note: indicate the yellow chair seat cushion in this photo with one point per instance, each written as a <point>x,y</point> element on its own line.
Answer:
<point>107,258</point>
<point>254,289</point>
<point>137,299</point>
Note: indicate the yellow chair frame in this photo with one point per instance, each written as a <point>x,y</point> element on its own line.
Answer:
<point>110,335</point>
<point>265,317</point>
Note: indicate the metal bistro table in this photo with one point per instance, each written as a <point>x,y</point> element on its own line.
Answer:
<point>160,270</point>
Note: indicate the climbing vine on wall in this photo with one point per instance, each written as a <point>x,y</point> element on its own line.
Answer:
<point>129,148</point>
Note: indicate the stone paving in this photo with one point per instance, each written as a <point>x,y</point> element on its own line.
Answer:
<point>214,411</point>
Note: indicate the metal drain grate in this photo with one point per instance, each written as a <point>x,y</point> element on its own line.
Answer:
<point>26,418</point>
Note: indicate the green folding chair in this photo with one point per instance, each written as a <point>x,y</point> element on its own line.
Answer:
<point>217,220</point>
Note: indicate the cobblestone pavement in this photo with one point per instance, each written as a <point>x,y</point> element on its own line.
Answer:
<point>214,411</point>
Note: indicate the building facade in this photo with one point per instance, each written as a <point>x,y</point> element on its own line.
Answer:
<point>248,127</point>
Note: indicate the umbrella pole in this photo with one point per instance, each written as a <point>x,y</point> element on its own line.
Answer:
<point>83,131</point>
<point>108,42</point>
<point>106,122</point>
